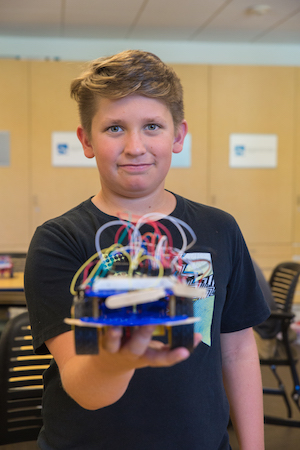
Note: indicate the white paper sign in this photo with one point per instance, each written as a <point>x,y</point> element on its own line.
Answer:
<point>4,148</point>
<point>67,151</point>
<point>253,151</point>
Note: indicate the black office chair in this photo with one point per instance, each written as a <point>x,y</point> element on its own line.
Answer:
<point>283,282</point>
<point>21,384</point>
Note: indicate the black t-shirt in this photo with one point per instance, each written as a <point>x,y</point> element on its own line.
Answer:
<point>179,407</point>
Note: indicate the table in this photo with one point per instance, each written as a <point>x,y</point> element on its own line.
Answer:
<point>12,290</point>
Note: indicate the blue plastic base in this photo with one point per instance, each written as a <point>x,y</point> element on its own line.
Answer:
<point>132,320</point>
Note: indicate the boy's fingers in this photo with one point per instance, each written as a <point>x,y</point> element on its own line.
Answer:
<point>110,339</point>
<point>158,355</point>
<point>164,358</point>
<point>161,355</point>
<point>139,341</point>
<point>197,339</point>
<point>141,350</point>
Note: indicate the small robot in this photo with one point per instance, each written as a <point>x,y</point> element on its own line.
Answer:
<point>6,266</point>
<point>139,283</point>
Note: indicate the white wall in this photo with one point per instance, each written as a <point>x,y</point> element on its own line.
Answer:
<point>176,52</point>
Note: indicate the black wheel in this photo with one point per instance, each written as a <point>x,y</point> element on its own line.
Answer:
<point>183,335</point>
<point>86,338</point>
<point>86,341</point>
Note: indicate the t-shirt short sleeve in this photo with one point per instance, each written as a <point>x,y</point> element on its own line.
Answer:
<point>245,305</point>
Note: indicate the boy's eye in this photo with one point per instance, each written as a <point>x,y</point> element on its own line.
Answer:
<point>152,126</point>
<point>114,128</point>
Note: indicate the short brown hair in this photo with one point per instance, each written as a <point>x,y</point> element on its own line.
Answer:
<point>123,74</point>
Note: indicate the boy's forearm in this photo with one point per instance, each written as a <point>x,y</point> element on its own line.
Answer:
<point>246,406</point>
<point>242,380</point>
<point>90,384</point>
<point>93,381</point>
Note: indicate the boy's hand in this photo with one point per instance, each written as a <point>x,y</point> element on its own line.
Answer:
<point>139,350</point>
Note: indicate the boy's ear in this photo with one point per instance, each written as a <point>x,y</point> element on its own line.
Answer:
<point>180,134</point>
<point>85,142</point>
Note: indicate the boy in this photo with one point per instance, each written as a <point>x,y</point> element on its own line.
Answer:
<point>142,395</point>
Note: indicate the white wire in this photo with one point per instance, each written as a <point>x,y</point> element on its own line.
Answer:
<point>135,244</point>
<point>103,227</point>
<point>177,222</point>
<point>160,246</point>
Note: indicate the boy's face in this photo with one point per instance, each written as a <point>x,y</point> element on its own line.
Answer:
<point>132,140</point>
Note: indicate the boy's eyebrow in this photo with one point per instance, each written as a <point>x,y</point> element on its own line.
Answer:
<point>112,121</point>
<point>155,119</point>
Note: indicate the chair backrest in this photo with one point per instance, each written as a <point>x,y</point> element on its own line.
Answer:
<point>21,383</point>
<point>283,282</point>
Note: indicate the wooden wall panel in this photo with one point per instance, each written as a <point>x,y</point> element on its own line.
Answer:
<point>296,241</point>
<point>254,100</point>
<point>54,189</point>
<point>297,168</point>
<point>192,182</point>
<point>14,179</point>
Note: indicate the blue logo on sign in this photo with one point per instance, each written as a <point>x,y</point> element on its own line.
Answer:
<point>62,148</point>
<point>239,150</point>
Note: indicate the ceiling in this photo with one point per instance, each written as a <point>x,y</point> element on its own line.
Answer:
<point>165,20</point>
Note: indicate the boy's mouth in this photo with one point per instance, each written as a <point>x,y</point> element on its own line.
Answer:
<point>135,167</point>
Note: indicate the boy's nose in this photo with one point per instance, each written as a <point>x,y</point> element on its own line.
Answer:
<point>134,145</point>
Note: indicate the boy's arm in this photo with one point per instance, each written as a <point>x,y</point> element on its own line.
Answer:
<point>96,381</point>
<point>242,381</point>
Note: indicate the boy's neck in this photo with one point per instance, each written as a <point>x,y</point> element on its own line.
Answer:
<point>163,203</point>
